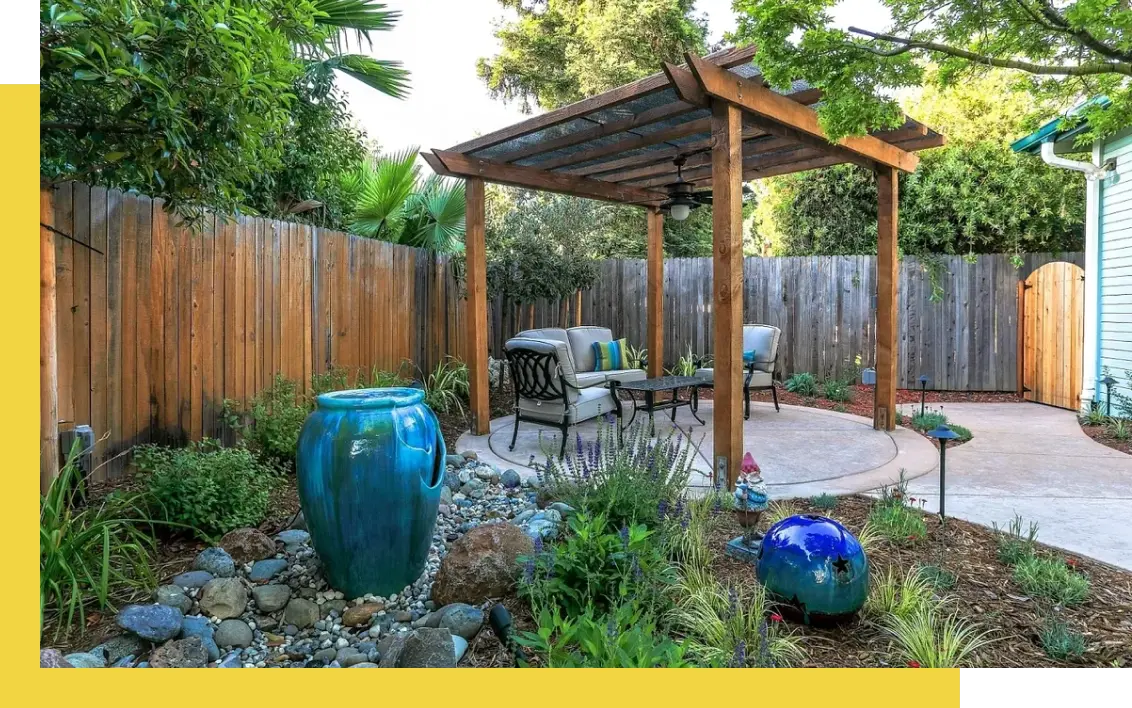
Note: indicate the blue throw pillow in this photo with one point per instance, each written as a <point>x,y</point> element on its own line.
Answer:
<point>749,356</point>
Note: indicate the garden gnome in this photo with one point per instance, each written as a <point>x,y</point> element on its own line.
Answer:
<point>750,498</point>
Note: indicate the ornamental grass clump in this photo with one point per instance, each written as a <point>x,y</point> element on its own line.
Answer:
<point>731,626</point>
<point>1013,545</point>
<point>90,554</point>
<point>892,594</point>
<point>631,480</point>
<point>1060,641</point>
<point>930,638</point>
<point>892,519</point>
<point>1051,579</point>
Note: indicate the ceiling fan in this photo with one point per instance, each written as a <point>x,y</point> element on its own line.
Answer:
<point>682,196</point>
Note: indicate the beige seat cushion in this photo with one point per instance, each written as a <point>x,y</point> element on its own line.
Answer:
<point>581,345</point>
<point>623,375</point>
<point>758,379</point>
<point>589,403</point>
<point>591,378</point>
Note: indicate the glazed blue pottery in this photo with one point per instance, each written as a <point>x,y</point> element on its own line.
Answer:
<point>814,569</point>
<point>370,467</point>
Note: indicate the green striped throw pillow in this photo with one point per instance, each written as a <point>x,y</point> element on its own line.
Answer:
<point>611,356</point>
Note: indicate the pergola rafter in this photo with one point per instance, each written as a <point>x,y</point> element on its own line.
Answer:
<point>718,115</point>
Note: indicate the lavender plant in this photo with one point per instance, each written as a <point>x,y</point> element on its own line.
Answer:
<point>625,479</point>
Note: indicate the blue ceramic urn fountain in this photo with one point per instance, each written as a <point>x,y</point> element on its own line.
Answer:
<point>814,569</point>
<point>370,467</point>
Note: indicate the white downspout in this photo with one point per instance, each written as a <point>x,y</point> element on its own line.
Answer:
<point>1094,173</point>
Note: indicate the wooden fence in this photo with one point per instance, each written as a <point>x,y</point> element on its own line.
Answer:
<point>963,339</point>
<point>157,323</point>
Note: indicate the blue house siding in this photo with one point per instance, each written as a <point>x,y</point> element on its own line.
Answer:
<point>1114,335</point>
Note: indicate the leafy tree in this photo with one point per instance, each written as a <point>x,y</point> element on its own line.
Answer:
<point>195,101</point>
<point>1060,51</point>
<point>389,201</point>
<point>559,51</point>
<point>972,196</point>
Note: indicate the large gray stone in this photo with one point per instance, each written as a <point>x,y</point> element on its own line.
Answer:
<point>201,628</point>
<point>155,623</point>
<point>215,560</point>
<point>174,596</point>
<point>85,660</point>
<point>511,479</point>
<point>117,648</point>
<point>271,598</point>
<point>53,659</point>
<point>301,612</point>
<point>264,570</point>
<point>423,648</point>
<point>179,654</point>
<point>461,620</point>
<point>247,545</point>
<point>234,633</point>
<point>192,579</point>
<point>224,598</point>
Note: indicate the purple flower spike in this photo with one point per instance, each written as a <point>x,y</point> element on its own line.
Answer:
<point>538,544</point>
<point>662,508</point>
<point>624,534</point>
<point>740,657</point>
<point>529,570</point>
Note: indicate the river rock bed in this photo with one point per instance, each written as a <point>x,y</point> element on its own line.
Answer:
<point>257,601</point>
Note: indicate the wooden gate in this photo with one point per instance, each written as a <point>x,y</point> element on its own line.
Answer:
<point>1051,336</point>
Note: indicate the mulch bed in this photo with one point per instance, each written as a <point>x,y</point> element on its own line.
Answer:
<point>1099,433</point>
<point>983,593</point>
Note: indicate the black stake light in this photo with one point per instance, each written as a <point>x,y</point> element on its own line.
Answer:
<point>923,393</point>
<point>943,434</point>
<point>1108,382</point>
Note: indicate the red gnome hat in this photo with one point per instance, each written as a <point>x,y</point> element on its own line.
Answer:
<point>749,465</point>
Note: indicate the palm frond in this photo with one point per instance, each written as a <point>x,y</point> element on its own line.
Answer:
<point>385,76</point>
<point>438,216</point>
<point>358,16</point>
<point>382,192</point>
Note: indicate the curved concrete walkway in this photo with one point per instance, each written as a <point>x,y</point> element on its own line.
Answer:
<point>1033,460</point>
<point>802,451</point>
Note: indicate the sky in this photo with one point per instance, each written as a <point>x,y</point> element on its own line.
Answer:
<point>439,41</point>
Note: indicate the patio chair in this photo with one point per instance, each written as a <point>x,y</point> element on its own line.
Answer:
<point>548,390</point>
<point>759,372</point>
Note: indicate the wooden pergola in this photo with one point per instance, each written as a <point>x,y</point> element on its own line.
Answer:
<point>620,146</point>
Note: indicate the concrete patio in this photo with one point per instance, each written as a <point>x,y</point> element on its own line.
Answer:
<point>802,451</point>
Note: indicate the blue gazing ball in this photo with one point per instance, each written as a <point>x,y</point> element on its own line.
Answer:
<point>814,569</point>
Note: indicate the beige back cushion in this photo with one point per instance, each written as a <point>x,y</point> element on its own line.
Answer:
<point>764,340</point>
<point>582,345</point>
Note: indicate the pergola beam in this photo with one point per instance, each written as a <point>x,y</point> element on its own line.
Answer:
<point>727,59</point>
<point>455,164</point>
<point>780,116</point>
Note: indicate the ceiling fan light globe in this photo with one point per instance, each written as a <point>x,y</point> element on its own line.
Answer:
<point>680,212</point>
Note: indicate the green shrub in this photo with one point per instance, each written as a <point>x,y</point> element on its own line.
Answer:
<point>89,554</point>
<point>836,390</point>
<point>778,510</point>
<point>928,420</point>
<point>938,577</point>
<point>633,480</point>
<point>336,379</point>
<point>963,432</point>
<point>930,639</point>
<point>1013,547</point>
<point>687,537</point>
<point>596,567</point>
<point>626,637</point>
<point>731,626</point>
<point>1060,641</point>
<point>897,523</point>
<point>825,502</point>
<point>1118,428</point>
<point>1052,579</point>
<point>210,488</point>
<point>1094,417</point>
<point>446,388</point>
<point>803,384</point>
<point>686,365</point>
<point>270,423</point>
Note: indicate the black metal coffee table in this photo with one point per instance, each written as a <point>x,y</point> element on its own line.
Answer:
<point>649,389</point>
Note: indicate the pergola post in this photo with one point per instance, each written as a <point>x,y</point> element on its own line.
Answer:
<point>727,279</point>
<point>48,362</point>
<point>884,405</point>
<point>476,255</point>
<point>655,342</point>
